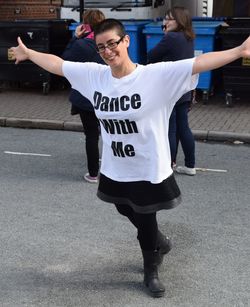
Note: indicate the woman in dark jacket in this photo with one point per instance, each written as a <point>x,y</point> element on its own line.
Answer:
<point>177,44</point>
<point>82,48</point>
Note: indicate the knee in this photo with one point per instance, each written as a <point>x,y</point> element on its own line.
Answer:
<point>124,210</point>
<point>92,135</point>
<point>146,220</point>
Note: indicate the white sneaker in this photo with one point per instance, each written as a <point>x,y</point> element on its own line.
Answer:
<point>186,170</point>
<point>90,179</point>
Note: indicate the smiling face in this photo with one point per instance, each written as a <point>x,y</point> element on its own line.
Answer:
<point>113,48</point>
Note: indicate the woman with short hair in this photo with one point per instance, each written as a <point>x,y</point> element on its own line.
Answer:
<point>133,103</point>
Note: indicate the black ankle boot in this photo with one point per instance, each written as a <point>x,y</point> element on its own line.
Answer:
<point>151,279</point>
<point>164,246</point>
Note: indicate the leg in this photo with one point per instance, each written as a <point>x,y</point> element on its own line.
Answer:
<point>163,243</point>
<point>172,135</point>
<point>128,212</point>
<point>147,230</point>
<point>148,233</point>
<point>91,129</point>
<point>177,145</point>
<point>186,138</point>
<point>153,244</point>
<point>185,134</point>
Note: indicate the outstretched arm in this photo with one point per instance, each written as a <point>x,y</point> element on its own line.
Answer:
<point>49,62</point>
<point>213,60</point>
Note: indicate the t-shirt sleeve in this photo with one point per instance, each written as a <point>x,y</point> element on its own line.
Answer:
<point>81,76</point>
<point>178,77</point>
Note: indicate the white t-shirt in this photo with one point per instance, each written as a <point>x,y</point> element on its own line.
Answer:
<point>134,113</point>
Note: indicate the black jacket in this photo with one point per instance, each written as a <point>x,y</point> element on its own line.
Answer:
<point>81,50</point>
<point>173,46</point>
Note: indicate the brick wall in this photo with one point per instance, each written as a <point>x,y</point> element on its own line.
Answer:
<point>33,2</point>
<point>29,9</point>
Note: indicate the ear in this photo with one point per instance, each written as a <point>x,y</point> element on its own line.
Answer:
<point>127,40</point>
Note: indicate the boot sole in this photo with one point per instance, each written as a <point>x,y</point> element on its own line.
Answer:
<point>154,294</point>
<point>158,294</point>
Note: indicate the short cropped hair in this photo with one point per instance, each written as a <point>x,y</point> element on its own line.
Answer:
<point>110,24</point>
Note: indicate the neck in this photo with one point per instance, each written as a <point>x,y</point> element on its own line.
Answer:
<point>124,70</point>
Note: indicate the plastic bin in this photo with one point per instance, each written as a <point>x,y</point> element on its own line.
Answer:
<point>236,75</point>
<point>204,42</point>
<point>72,27</point>
<point>138,47</point>
<point>153,34</point>
<point>50,36</point>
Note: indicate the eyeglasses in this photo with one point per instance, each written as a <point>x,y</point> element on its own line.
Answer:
<point>169,18</point>
<point>110,45</point>
<point>163,27</point>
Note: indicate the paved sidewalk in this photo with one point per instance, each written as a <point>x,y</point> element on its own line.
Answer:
<point>29,108</point>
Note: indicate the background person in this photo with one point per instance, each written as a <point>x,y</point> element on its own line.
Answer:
<point>134,124</point>
<point>178,44</point>
<point>82,48</point>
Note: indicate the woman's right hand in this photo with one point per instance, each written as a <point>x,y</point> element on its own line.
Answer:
<point>19,53</point>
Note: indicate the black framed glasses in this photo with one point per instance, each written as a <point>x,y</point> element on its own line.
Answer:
<point>169,18</point>
<point>111,45</point>
<point>163,27</point>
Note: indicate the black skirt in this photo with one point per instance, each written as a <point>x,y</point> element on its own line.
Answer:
<point>142,196</point>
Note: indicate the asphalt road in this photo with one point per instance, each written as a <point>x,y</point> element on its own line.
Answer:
<point>61,246</point>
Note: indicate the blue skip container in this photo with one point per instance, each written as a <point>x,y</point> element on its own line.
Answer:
<point>205,42</point>
<point>138,46</point>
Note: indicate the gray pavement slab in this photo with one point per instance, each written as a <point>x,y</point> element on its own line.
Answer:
<point>29,108</point>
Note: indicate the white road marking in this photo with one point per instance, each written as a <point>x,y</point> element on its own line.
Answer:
<point>202,169</point>
<point>26,154</point>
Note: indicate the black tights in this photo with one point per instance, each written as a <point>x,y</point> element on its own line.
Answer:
<point>146,225</point>
<point>91,129</point>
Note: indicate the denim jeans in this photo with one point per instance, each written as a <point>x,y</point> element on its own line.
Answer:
<point>179,131</point>
<point>91,129</point>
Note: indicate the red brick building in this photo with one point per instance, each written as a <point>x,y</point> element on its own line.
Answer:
<point>29,9</point>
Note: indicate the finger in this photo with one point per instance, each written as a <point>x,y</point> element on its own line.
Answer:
<point>19,40</point>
